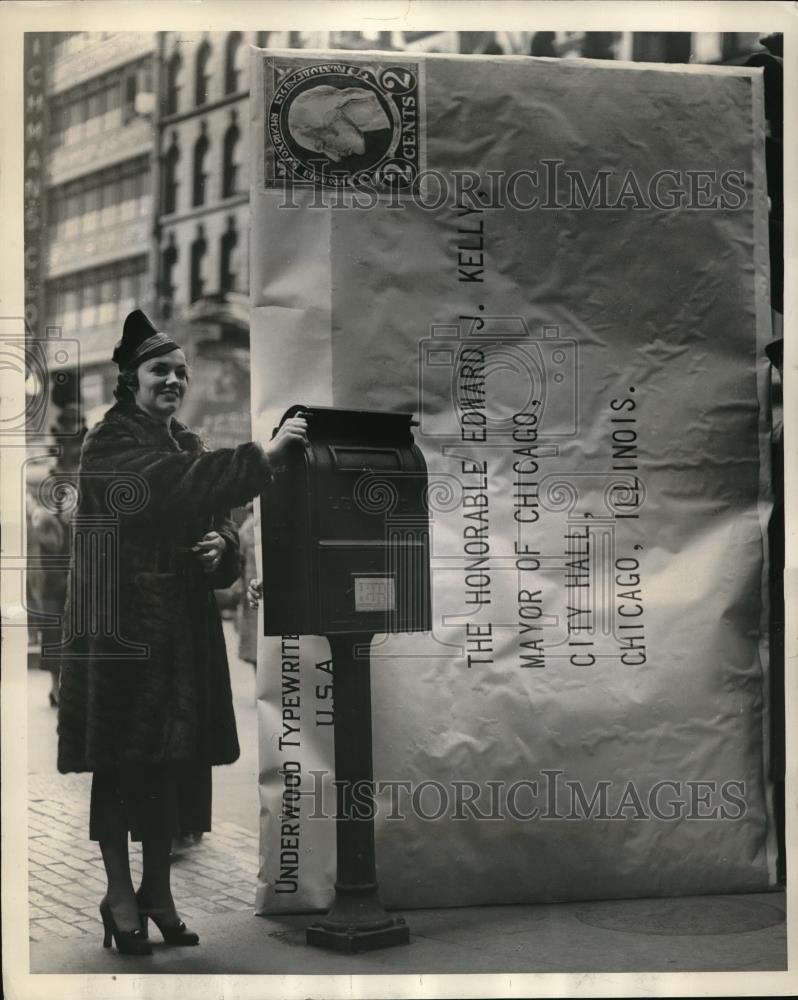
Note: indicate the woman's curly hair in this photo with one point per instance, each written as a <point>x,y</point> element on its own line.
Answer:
<point>126,384</point>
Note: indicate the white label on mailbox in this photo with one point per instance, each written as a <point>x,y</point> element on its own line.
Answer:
<point>374,593</point>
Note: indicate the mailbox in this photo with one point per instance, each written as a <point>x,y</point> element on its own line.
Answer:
<point>345,529</point>
<point>345,535</point>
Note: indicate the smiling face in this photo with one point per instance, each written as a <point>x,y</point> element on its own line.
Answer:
<point>163,382</point>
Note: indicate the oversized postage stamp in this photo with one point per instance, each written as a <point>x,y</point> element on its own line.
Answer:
<point>353,122</point>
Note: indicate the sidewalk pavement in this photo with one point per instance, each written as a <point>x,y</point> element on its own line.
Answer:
<point>696,934</point>
<point>214,888</point>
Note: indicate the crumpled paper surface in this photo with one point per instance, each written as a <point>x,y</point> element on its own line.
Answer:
<point>618,501</point>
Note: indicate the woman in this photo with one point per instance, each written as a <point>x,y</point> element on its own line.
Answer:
<point>146,703</point>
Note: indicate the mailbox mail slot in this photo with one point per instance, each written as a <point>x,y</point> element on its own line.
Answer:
<point>345,529</point>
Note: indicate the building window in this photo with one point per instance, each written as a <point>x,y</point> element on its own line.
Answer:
<point>228,258</point>
<point>73,208</point>
<point>109,202</point>
<point>231,57</point>
<point>69,316</point>
<point>131,192</point>
<point>230,160</point>
<point>90,300</point>
<point>113,106</point>
<point>100,200</point>
<point>91,209</point>
<point>130,290</point>
<point>202,78</point>
<point>199,174</point>
<point>129,90</point>
<point>97,297</point>
<point>263,39</point>
<point>96,111</point>
<point>89,110</point>
<point>197,277</point>
<point>173,72</point>
<point>168,263</point>
<point>74,123</point>
<point>170,178</point>
<point>109,293</point>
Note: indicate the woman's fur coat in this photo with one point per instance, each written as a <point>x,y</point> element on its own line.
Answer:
<point>144,676</point>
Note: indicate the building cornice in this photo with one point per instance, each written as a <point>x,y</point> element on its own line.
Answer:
<point>202,109</point>
<point>202,210</point>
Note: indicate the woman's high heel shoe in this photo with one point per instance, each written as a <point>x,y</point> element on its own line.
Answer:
<point>127,942</point>
<point>174,934</point>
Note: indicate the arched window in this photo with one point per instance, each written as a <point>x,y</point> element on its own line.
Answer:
<point>202,77</point>
<point>230,176</point>
<point>231,68</point>
<point>197,276</point>
<point>171,182</point>
<point>228,258</point>
<point>173,73</point>
<point>199,174</point>
<point>168,262</point>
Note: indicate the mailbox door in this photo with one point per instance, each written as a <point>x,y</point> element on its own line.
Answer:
<point>372,548</point>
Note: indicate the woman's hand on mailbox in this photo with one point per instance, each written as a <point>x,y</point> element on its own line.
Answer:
<point>254,593</point>
<point>293,429</point>
<point>210,550</point>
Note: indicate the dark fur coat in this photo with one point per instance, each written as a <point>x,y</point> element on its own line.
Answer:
<point>144,675</point>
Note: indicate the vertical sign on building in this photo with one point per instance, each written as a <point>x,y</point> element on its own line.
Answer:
<point>33,176</point>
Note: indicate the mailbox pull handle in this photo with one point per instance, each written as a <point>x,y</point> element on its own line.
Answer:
<point>290,412</point>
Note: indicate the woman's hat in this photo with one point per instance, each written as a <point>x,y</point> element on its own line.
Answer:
<point>140,342</point>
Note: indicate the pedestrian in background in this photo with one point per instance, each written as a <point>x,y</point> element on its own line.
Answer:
<point>150,727</point>
<point>48,542</point>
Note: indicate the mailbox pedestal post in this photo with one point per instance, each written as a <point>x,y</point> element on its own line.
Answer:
<point>356,920</point>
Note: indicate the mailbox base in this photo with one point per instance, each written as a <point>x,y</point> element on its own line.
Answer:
<point>357,922</point>
<point>352,939</point>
